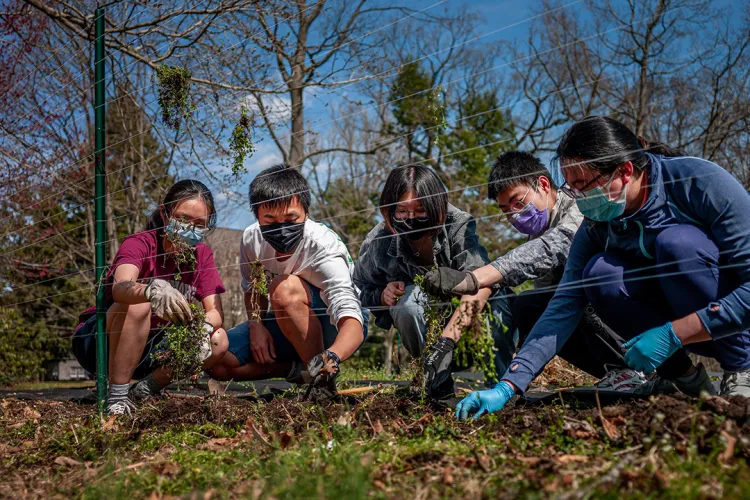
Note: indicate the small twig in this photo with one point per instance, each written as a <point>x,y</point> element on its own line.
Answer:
<point>627,450</point>
<point>604,422</point>
<point>74,433</point>
<point>291,420</point>
<point>130,467</point>
<point>476,430</point>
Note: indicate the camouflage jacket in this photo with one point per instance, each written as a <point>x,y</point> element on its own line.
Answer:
<point>542,258</point>
<point>384,258</point>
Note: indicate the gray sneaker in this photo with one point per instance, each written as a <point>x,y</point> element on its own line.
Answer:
<point>736,384</point>
<point>121,407</point>
<point>692,385</point>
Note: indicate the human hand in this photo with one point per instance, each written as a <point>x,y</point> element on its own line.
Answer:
<point>647,351</point>
<point>167,302</point>
<point>261,344</point>
<point>480,402</point>
<point>390,294</point>
<point>447,281</point>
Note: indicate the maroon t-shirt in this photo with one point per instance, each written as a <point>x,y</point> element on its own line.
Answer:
<point>144,251</point>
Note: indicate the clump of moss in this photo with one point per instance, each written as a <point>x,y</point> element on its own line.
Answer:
<point>241,144</point>
<point>174,94</point>
<point>180,350</point>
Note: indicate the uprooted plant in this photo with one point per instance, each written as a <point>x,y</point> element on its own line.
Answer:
<point>258,288</point>
<point>184,254</point>
<point>181,349</point>
<point>241,144</point>
<point>174,94</point>
<point>476,345</point>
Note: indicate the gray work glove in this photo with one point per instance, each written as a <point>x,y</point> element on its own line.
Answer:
<point>447,281</point>
<point>167,302</point>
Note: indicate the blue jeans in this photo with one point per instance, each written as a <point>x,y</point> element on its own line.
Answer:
<point>634,296</point>
<point>408,318</point>
<point>239,336</point>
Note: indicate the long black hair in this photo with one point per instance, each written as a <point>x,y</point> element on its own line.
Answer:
<point>187,189</point>
<point>603,144</point>
<point>421,181</point>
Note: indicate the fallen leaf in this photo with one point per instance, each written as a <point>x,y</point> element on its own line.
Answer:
<point>284,439</point>
<point>31,413</point>
<point>567,459</point>
<point>484,462</point>
<point>67,461</point>
<point>377,427</point>
<point>168,469</point>
<point>379,485</point>
<point>579,429</point>
<point>216,444</point>
<point>727,455</point>
<point>110,423</point>
<point>367,458</point>
<point>345,419</point>
<point>532,461</point>
<point>528,420</point>
<point>447,476</point>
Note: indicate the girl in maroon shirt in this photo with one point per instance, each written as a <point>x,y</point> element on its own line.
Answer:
<point>146,289</point>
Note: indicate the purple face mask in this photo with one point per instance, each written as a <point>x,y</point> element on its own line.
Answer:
<point>530,220</point>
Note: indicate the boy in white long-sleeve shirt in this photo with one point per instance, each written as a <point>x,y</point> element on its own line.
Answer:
<point>315,320</point>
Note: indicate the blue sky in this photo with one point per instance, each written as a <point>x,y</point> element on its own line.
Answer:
<point>511,16</point>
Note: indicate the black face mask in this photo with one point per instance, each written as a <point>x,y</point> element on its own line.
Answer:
<point>283,236</point>
<point>413,228</point>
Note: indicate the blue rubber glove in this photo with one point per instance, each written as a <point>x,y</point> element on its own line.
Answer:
<point>480,402</point>
<point>649,350</point>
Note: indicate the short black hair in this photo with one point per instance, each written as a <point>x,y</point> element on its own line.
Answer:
<point>277,186</point>
<point>515,168</point>
<point>418,179</point>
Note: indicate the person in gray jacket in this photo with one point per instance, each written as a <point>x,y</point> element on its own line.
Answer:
<point>420,231</point>
<point>534,206</point>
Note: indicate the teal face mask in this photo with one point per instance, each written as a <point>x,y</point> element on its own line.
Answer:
<point>188,233</point>
<point>596,205</point>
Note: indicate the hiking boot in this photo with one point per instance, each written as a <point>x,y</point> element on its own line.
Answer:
<point>622,380</point>
<point>692,385</point>
<point>121,407</point>
<point>736,384</point>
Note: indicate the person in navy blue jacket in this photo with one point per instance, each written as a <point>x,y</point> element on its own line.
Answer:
<point>663,255</point>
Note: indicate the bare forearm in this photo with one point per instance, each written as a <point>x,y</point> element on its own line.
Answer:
<point>129,292</point>
<point>350,337</point>
<point>690,329</point>
<point>488,276</point>
<point>462,317</point>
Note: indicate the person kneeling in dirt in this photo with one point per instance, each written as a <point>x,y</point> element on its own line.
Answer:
<point>315,320</point>
<point>664,253</point>
<point>422,230</point>
<point>150,285</point>
<point>534,206</point>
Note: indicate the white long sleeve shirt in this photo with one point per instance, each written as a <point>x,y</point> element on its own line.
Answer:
<point>321,259</point>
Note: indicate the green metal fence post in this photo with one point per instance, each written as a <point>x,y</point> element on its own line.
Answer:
<point>101,228</point>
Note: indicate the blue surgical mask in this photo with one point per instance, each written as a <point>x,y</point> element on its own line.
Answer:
<point>188,233</point>
<point>598,207</point>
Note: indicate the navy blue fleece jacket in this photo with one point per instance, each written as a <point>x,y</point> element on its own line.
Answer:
<point>684,190</point>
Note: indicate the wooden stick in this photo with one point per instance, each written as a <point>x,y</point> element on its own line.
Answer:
<point>357,390</point>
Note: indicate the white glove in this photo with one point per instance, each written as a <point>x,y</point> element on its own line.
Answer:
<point>167,302</point>
<point>205,351</point>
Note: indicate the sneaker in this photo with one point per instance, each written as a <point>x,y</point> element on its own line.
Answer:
<point>324,390</point>
<point>121,407</point>
<point>622,380</point>
<point>736,384</point>
<point>691,385</point>
<point>143,389</point>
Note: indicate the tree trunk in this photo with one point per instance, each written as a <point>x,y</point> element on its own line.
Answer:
<point>297,138</point>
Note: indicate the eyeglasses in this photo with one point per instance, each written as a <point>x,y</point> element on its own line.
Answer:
<point>519,205</point>
<point>578,194</point>
<point>403,214</point>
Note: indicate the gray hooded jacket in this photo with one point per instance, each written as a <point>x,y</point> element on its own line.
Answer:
<point>542,258</point>
<point>384,258</point>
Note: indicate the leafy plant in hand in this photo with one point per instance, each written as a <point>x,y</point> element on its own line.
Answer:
<point>476,345</point>
<point>435,317</point>
<point>180,349</point>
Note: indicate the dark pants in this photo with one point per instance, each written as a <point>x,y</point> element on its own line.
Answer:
<point>634,296</point>
<point>589,348</point>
